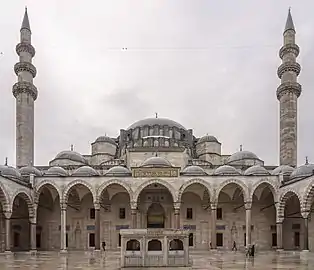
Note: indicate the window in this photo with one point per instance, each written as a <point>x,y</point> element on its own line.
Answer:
<point>122,213</point>
<point>219,238</point>
<point>66,240</point>
<point>219,213</point>
<point>91,240</point>
<point>119,240</point>
<point>92,213</point>
<point>297,239</point>
<point>274,240</point>
<point>189,213</point>
<point>244,239</point>
<point>191,240</point>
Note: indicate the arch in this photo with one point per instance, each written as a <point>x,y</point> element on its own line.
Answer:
<point>106,184</point>
<point>28,199</point>
<point>237,182</point>
<point>43,184</point>
<point>195,181</point>
<point>164,183</point>
<point>133,245</point>
<point>154,245</point>
<point>269,184</point>
<point>308,197</point>
<point>4,197</point>
<point>74,183</point>
<point>176,244</point>
<point>283,199</point>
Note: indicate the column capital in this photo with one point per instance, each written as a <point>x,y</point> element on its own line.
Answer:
<point>248,205</point>
<point>97,205</point>
<point>133,211</point>
<point>33,220</point>
<point>177,205</point>
<point>213,205</point>
<point>63,206</point>
<point>279,220</point>
<point>305,214</point>
<point>133,205</point>
<point>7,214</point>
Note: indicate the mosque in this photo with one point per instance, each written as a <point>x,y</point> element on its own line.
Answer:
<point>156,174</point>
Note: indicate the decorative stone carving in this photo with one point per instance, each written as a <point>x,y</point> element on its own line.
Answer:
<point>289,87</point>
<point>25,66</point>
<point>288,66</point>
<point>25,47</point>
<point>25,87</point>
<point>289,48</point>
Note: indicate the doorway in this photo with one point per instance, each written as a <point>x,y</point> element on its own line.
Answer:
<point>155,216</point>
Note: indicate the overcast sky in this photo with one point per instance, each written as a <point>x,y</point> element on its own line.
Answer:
<point>209,65</point>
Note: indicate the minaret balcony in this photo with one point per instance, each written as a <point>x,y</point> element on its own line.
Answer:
<point>288,66</point>
<point>289,48</point>
<point>289,87</point>
<point>25,47</point>
<point>25,87</point>
<point>25,66</point>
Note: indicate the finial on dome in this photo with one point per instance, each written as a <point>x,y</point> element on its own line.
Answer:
<point>306,160</point>
<point>289,22</point>
<point>241,146</point>
<point>156,114</point>
<point>72,147</point>
<point>6,161</point>
<point>25,23</point>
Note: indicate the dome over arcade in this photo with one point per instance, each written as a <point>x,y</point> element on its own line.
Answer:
<point>303,171</point>
<point>56,171</point>
<point>156,122</point>
<point>85,171</point>
<point>241,155</point>
<point>11,172</point>
<point>118,171</point>
<point>226,170</point>
<point>207,138</point>
<point>156,162</point>
<point>193,170</point>
<point>27,170</point>
<point>284,169</point>
<point>71,155</point>
<point>105,139</point>
<point>256,170</point>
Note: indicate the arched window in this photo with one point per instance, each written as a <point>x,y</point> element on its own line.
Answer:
<point>154,245</point>
<point>176,244</point>
<point>133,244</point>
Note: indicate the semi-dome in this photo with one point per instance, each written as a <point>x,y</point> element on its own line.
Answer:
<point>85,171</point>
<point>207,138</point>
<point>11,172</point>
<point>284,169</point>
<point>156,121</point>
<point>118,171</point>
<point>193,170</point>
<point>158,162</point>
<point>105,139</point>
<point>256,170</point>
<point>303,171</point>
<point>241,155</point>
<point>71,155</point>
<point>56,171</point>
<point>226,170</point>
<point>27,170</point>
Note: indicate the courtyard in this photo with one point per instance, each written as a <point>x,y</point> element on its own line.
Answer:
<point>201,260</point>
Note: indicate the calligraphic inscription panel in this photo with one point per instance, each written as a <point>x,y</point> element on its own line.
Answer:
<point>155,172</point>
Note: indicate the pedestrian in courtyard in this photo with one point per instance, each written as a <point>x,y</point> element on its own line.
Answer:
<point>104,246</point>
<point>234,248</point>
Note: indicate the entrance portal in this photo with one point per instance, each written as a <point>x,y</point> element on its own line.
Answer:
<point>155,216</point>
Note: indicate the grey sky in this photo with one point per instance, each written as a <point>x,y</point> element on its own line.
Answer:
<point>210,65</point>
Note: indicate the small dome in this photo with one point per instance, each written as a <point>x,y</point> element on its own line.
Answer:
<point>303,171</point>
<point>56,171</point>
<point>284,169</point>
<point>105,139</point>
<point>207,138</point>
<point>156,122</point>
<point>118,171</point>
<point>11,172</point>
<point>226,170</point>
<point>193,170</point>
<point>85,171</point>
<point>71,155</point>
<point>256,170</point>
<point>241,155</point>
<point>30,170</point>
<point>156,162</point>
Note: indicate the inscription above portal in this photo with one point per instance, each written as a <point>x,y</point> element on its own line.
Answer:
<point>156,172</point>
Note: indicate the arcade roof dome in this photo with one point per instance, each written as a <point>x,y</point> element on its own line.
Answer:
<point>85,171</point>
<point>241,155</point>
<point>284,169</point>
<point>156,121</point>
<point>303,171</point>
<point>157,162</point>
<point>71,155</point>
<point>256,170</point>
<point>193,170</point>
<point>118,171</point>
<point>30,170</point>
<point>226,170</point>
<point>8,171</point>
<point>57,171</point>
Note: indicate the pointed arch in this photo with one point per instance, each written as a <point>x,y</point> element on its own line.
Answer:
<point>199,181</point>
<point>161,182</point>
<point>4,197</point>
<point>283,199</point>
<point>237,182</point>
<point>24,194</point>
<point>308,197</point>
<point>42,185</point>
<point>273,188</point>
<point>118,182</point>
<point>74,183</point>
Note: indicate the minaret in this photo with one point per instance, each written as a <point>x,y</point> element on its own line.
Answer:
<point>25,93</point>
<point>287,94</point>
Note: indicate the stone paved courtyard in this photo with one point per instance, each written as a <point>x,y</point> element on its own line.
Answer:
<point>201,260</point>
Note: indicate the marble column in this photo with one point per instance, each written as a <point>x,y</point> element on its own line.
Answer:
<point>165,250</point>
<point>213,227</point>
<point>306,233</point>
<point>279,234</point>
<point>248,223</point>
<point>186,251</point>
<point>134,218</point>
<point>33,232</point>
<point>63,232</point>
<point>177,224</point>
<point>97,226</point>
<point>7,233</point>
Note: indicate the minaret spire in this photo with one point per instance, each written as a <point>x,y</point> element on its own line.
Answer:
<point>25,93</point>
<point>287,93</point>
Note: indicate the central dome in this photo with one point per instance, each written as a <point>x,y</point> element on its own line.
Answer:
<point>156,121</point>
